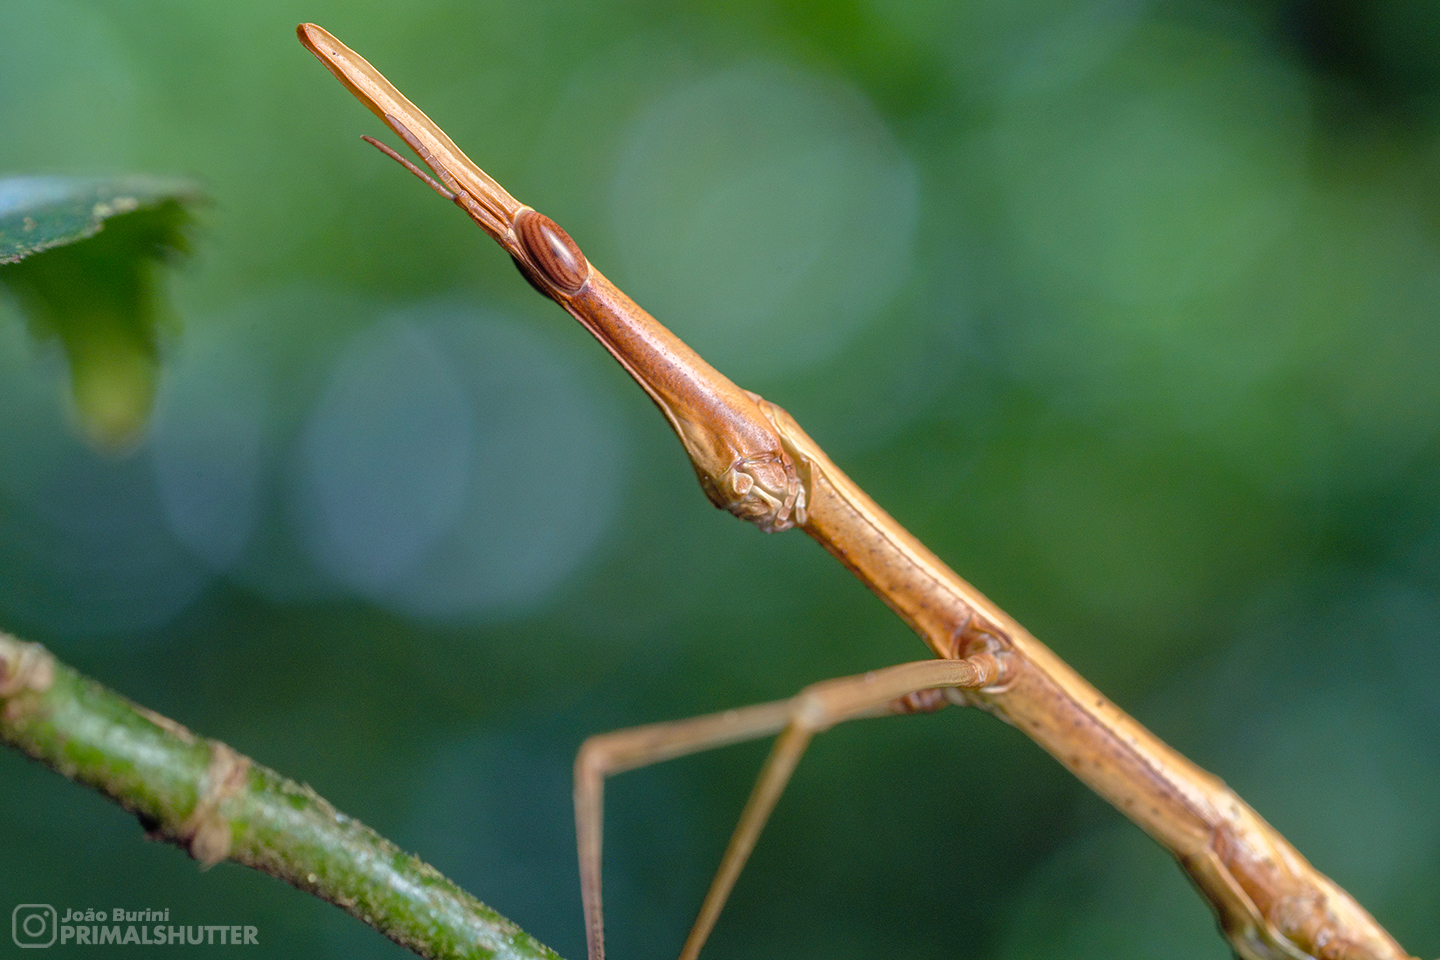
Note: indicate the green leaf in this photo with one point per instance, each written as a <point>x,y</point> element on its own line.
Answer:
<point>80,256</point>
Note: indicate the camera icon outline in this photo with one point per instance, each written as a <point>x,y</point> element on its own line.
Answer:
<point>20,925</point>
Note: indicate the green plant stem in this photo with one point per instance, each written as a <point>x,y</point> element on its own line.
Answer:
<point>217,804</point>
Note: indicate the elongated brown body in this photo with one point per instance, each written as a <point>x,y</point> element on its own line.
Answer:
<point>754,460</point>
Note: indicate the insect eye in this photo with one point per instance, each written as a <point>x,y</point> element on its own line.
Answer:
<point>553,254</point>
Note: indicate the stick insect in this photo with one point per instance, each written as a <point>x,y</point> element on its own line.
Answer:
<point>755,461</point>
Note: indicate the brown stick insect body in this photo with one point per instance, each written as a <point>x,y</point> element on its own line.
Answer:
<point>755,461</point>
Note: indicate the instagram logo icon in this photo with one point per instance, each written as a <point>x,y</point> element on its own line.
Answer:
<point>33,925</point>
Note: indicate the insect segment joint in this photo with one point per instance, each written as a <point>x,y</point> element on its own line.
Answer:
<point>993,656</point>
<point>764,490</point>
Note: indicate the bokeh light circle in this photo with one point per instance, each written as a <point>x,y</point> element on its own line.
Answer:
<point>765,214</point>
<point>457,465</point>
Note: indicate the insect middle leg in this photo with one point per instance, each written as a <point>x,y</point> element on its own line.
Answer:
<point>906,688</point>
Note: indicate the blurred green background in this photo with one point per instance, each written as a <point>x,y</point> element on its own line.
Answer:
<point>1129,310</point>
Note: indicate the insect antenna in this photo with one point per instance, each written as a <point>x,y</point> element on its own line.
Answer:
<point>389,152</point>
